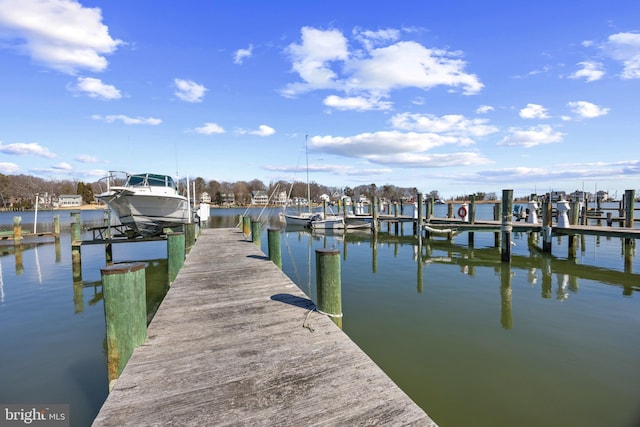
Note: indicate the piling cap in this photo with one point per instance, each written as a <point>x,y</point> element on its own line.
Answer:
<point>327,251</point>
<point>125,267</point>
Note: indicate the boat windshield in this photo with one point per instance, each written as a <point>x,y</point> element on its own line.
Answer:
<point>152,180</point>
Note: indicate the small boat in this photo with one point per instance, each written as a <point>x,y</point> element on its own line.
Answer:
<point>147,203</point>
<point>339,222</point>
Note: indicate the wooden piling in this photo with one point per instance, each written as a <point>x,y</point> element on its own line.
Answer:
<point>472,218</point>
<point>507,227</point>
<point>547,221</point>
<point>17,230</point>
<point>76,241</point>
<point>328,284</point>
<point>497,209</point>
<point>574,218</point>
<point>275,253</point>
<point>189,235</point>
<point>176,251</point>
<point>374,213</point>
<point>56,225</point>
<point>255,232</point>
<point>125,310</point>
<point>420,218</point>
<point>246,226</point>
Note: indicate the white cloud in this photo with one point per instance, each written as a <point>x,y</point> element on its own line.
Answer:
<point>527,138</point>
<point>408,149</point>
<point>587,110</point>
<point>96,89</point>
<point>625,47</point>
<point>483,109</point>
<point>323,61</point>
<point>590,71</point>
<point>311,59</point>
<point>64,166</point>
<point>85,158</point>
<point>127,120</point>
<point>263,130</point>
<point>210,129</point>
<point>357,103</point>
<point>189,91</point>
<point>449,124</point>
<point>60,34</point>
<point>241,54</point>
<point>534,111</point>
<point>26,149</point>
<point>7,168</point>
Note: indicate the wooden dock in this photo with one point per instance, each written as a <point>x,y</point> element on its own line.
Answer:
<point>228,346</point>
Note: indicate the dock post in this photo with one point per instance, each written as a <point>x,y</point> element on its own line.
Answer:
<point>629,200</point>
<point>547,220</point>
<point>374,213</point>
<point>56,226</point>
<point>175,254</point>
<point>17,230</point>
<point>574,217</point>
<point>125,311</point>
<point>246,226</point>
<point>275,254</point>
<point>497,208</point>
<point>506,228</point>
<point>189,235</point>
<point>329,285</point>
<point>472,217</point>
<point>76,241</point>
<point>255,233</point>
<point>420,223</point>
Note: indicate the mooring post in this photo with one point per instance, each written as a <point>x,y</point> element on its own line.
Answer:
<point>629,200</point>
<point>275,254</point>
<point>190,235</point>
<point>125,311</point>
<point>497,209</point>
<point>328,283</point>
<point>246,226</point>
<point>472,217</point>
<point>17,230</point>
<point>56,226</point>
<point>76,241</point>
<point>324,207</point>
<point>506,228</point>
<point>175,254</point>
<point>547,221</point>
<point>420,223</point>
<point>255,233</point>
<point>574,218</point>
<point>374,212</point>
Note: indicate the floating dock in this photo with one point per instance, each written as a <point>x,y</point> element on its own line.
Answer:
<point>235,342</point>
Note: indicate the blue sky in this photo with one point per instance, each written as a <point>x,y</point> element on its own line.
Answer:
<point>459,97</point>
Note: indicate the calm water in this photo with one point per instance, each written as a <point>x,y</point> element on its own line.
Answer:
<point>547,340</point>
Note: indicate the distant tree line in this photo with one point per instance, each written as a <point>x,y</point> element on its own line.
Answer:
<point>18,191</point>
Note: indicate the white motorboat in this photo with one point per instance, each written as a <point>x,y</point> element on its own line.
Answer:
<point>339,222</point>
<point>146,203</point>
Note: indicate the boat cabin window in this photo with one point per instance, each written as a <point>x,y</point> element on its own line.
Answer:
<point>151,180</point>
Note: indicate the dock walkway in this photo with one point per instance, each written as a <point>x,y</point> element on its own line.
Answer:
<point>228,347</point>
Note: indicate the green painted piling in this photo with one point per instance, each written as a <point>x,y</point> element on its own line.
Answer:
<point>471,218</point>
<point>255,233</point>
<point>275,254</point>
<point>506,227</point>
<point>175,254</point>
<point>190,235</point>
<point>328,283</point>
<point>246,226</point>
<point>125,311</point>
<point>374,212</point>
<point>17,230</point>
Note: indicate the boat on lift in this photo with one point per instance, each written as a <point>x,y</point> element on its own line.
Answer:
<point>147,203</point>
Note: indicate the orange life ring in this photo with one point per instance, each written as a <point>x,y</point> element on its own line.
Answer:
<point>462,212</point>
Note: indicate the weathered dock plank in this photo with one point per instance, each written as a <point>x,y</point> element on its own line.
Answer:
<point>228,347</point>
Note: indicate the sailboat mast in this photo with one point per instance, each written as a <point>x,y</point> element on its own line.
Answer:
<point>306,151</point>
